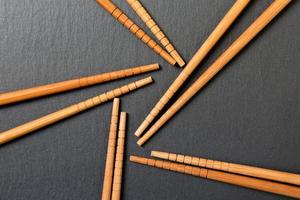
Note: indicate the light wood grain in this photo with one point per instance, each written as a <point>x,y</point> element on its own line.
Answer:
<point>118,172</point>
<point>234,179</point>
<point>273,10</point>
<point>211,41</point>
<point>273,175</point>
<point>119,15</point>
<point>156,30</point>
<point>59,115</point>
<point>54,88</point>
<point>111,150</point>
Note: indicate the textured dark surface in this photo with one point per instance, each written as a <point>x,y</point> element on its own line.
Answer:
<point>250,113</point>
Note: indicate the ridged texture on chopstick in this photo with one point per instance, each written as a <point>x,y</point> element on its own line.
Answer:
<point>257,172</point>
<point>118,172</point>
<point>111,150</point>
<point>70,111</point>
<point>156,30</point>
<point>118,14</point>
<point>275,8</point>
<point>214,37</point>
<point>244,181</point>
<point>30,93</point>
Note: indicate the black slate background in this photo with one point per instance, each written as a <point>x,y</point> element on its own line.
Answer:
<point>250,113</point>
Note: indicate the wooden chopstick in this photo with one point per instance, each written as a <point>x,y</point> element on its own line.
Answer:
<point>118,172</point>
<point>156,30</point>
<point>69,111</point>
<point>275,8</point>
<point>257,172</point>
<point>234,179</point>
<point>44,90</point>
<point>119,15</point>
<point>213,38</point>
<point>111,149</point>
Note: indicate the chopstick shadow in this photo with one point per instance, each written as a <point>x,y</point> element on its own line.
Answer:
<point>202,69</point>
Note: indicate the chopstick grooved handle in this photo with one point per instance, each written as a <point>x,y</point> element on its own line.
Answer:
<point>119,159</point>
<point>225,177</point>
<point>120,16</point>
<point>110,157</point>
<point>69,111</point>
<point>155,29</point>
<point>58,87</point>
<point>246,170</point>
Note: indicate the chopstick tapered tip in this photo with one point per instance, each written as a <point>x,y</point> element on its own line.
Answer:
<point>155,66</point>
<point>116,105</point>
<point>133,158</point>
<point>139,132</point>
<point>116,101</point>
<point>140,142</point>
<point>144,139</point>
<point>139,160</point>
<point>168,58</point>
<point>178,59</point>
<point>159,154</point>
<point>144,82</point>
<point>151,67</point>
<point>142,128</point>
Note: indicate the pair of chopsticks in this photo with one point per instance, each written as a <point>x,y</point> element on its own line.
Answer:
<point>112,182</point>
<point>257,26</point>
<point>273,181</point>
<point>21,95</point>
<point>170,55</point>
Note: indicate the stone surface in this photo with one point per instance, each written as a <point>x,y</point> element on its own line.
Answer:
<point>249,114</point>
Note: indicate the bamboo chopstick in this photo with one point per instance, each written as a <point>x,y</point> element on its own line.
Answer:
<point>156,30</point>
<point>69,111</point>
<point>118,172</point>
<point>111,148</point>
<point>119,15</point>
<point>257,172</point>
<point>244,181</point>
<point>30,93</point>
<point>227,56</point>
<point>214,37</point>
